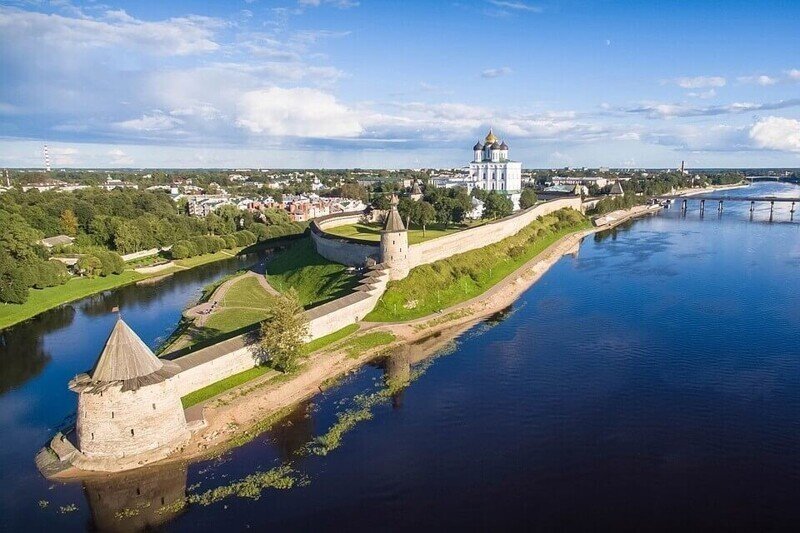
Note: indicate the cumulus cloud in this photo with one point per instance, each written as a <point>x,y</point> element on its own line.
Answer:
<point>776,133</point>
<point>496,72</point>
<point>699,82</point>
<point>298,112</point>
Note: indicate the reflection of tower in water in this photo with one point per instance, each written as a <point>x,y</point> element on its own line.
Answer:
<point>397,372</point>
<point>293,432</point>
<point>144,499</point>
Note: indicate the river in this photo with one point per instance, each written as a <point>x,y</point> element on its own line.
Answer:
<point>649,382</point>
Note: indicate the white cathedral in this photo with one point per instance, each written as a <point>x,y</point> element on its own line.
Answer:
<point>492,170</point>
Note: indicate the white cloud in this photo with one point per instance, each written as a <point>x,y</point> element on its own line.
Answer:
<point>119,158</point>
<point>661,110</point>
<point>176,36</point>
<point>341,4</point>
<point>516,5</point>
<point>496,72</point>
<point>762,80</point>
<point>698,82</point>
<point>793,74</point>
<point>711,93</point>
<point>157,122</point>
<point>300,112</point>
<point>776,133</point>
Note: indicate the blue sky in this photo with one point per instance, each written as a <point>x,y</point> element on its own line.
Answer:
<point>346,83</point>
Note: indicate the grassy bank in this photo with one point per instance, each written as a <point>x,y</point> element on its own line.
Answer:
<point>40,300</point>
<point>430,288</point>
<point>315,279</point>
<point>241,378</point>
<point>372,232</point>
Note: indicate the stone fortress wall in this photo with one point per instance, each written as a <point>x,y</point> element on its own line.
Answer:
<point>211,364</point>
<point>356,253</point>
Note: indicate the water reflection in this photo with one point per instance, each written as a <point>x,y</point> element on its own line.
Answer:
<point>138,501</point>
<point>22,350</point>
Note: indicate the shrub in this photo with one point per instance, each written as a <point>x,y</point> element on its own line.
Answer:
<point>181,250</point>
<point>89,265</point>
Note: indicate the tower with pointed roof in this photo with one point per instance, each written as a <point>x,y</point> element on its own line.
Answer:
<point>394,243</point>
<point>492,170</point>
<point>127,404</point>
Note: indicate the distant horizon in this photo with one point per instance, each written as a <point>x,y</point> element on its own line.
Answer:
<point>380,84</point>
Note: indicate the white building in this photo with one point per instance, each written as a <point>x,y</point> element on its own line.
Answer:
<point>492,170</point>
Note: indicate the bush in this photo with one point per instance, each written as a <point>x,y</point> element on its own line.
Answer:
<point>89,265</point>
<point>230,241</point>
<point>181,250</point>
<point>112,262</point>
<point>245,238</point>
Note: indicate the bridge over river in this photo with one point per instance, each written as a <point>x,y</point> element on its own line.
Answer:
<point>721,199</point>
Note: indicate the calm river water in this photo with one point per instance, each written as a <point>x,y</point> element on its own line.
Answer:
<point>650,382</point>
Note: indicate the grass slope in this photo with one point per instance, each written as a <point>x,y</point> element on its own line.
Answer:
<point>201,395</point>
<point>372,232</point>
<point>439,285</point>
<point>315,279</point>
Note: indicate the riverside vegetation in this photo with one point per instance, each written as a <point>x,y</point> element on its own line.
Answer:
<point>431,288</point>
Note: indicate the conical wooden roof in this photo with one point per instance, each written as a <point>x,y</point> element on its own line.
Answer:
<point>127,359</point>
<point>393,220</point>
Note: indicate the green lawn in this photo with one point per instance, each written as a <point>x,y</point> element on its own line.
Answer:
<point>315,279</point>
<point>40,300</point>
<point>362,343</point>
<point>318,344</point>
<point>430,288</point>
<point>372,232</point>
<point>201,395</point>
<point>247,292</point>
<point>212,390</point>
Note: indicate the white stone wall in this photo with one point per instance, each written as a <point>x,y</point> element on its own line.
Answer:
<point>338,249</point>
<point>201,375</point>
<point>471,239</point>
<point>116,424</point>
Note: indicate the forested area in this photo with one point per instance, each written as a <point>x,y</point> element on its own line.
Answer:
<point>106,224</point>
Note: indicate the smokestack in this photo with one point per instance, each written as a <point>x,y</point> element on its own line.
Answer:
<point>46,159</point>
<point>682,166</point>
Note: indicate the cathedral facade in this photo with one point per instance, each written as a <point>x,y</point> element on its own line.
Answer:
<point>492,170</point>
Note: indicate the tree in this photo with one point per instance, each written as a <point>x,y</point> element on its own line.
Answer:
<point>69,223</point>
<point>283,332</point>
<point>382,203</point>
<point>89,265</point>
<point>496,206</point>
<point>355,191</point>
<point>425,214</point>
<point>13,288</point>
<point>528,198</point>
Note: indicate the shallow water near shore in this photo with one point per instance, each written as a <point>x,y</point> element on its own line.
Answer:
<point>650,382</point>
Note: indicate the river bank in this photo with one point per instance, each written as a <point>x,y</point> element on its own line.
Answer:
<point>41,300</point>
<point>239,414</point>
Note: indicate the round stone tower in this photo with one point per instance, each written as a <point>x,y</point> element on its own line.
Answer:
<point>394,244</point>
<point>127,405</point>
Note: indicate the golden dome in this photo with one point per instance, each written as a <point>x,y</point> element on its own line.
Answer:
<point>491,139</point>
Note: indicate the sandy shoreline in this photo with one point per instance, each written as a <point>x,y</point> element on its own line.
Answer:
<point>238,413</point>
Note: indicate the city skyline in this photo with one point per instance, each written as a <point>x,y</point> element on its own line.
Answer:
<point>340,83</point>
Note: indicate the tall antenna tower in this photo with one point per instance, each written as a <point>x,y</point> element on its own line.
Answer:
<point>46,159</point>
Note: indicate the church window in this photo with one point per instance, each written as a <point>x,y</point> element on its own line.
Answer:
<point>92,436</point>
<point>112,414</point>
<point>154,407</point>
<point>131,432</point>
